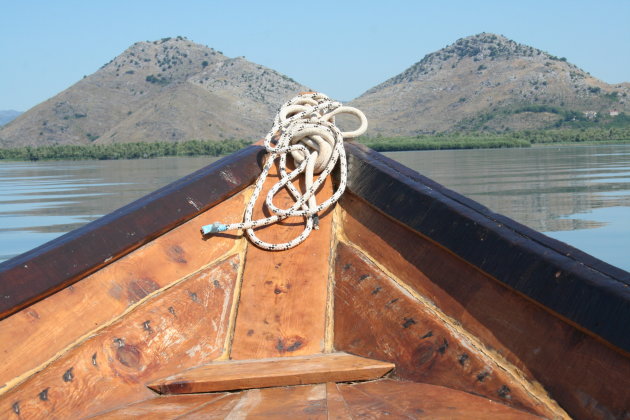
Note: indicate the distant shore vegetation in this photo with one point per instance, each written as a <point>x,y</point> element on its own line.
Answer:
<point>440,141</point>
<point>486,140</point>
<point>124,150</point>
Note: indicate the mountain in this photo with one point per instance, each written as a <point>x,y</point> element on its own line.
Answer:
<point>174,90</point>
<point>166,90</point>
<point>487,81</point>
<point>8,115</point>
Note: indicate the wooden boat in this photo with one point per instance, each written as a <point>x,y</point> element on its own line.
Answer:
<point>410,301</point>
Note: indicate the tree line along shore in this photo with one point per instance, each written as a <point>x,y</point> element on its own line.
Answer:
<point>441,141</point>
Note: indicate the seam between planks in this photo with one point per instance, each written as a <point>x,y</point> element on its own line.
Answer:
<point>329,331</point>
<point>236,299</point>
<point>533,388</point>
<point>18,380</point>
<point>243,245</point>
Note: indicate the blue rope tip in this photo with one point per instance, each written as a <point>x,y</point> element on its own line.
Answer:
<point>213,228</point>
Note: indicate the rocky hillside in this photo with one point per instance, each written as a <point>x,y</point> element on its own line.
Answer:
<point>487,82</point>
<point>166,90</point>
<point>174,90</point>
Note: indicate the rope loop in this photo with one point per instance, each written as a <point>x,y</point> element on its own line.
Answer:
<point>304,128</point>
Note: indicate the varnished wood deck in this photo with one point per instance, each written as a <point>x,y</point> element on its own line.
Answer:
<point>176,312</point>
<point>373,400</point>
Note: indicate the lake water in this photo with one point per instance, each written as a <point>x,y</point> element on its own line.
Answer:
<point>579,195</point>
<point>42,200</point>
<point>576,194</point>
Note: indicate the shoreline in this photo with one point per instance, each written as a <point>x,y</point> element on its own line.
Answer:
<point>442,141</point>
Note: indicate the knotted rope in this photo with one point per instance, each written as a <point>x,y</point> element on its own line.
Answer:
<point>307,130</point>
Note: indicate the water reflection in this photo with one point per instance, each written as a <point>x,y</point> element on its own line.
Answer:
<point>580,195</point>
<point>42,200</point>
<point>610,238</point>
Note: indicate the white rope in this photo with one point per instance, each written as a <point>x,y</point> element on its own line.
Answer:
<point>307,130</point>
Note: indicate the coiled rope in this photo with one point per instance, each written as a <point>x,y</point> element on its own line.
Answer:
<point>307,130</point>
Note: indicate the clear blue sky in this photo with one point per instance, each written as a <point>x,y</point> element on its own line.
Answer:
<point>341,48</point>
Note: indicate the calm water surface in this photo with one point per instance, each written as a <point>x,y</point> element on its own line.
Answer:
<point>42,200</point>
<point>579,195</point>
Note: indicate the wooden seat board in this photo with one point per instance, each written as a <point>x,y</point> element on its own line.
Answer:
<point>282,308</point>
<point>281,371</point>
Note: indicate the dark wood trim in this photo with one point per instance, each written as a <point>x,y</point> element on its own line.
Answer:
<point>569,282</point>
<point>61,262</point>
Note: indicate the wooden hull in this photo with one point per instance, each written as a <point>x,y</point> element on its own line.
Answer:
<point>137,314</point>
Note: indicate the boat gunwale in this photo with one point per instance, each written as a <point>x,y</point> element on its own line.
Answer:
<point>588,292</point>
<point>61,262</point>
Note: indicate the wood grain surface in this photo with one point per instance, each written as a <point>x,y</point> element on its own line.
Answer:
<point>61,262</point>
<point>222,408</point>
<point>587,377</point>
<point>282,309</point>
<point>366,400</point>
<point>298,402</point>
<point>279,371</point>
<point>337,407</point>
<point>45,329</point>
<point>181,327</point>
<point>404,400</point>
<point>376,318</point>
<point>160,408</point>
<point>578,287</point>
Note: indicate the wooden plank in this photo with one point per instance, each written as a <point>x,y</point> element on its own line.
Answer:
<point>587,291</point>
<point>335,403</point>
<point>43,330</point>
<point>398,399</point>
<point>57,264</point>
<point>160,408</point>
<point>380,399</point>
<point>181,327</point>
<point>374,317</point>
<point>300,402</point>
<point>219,408</point>
<point>546,348</point>
<point>273,319</point>
<point>263,373</point>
